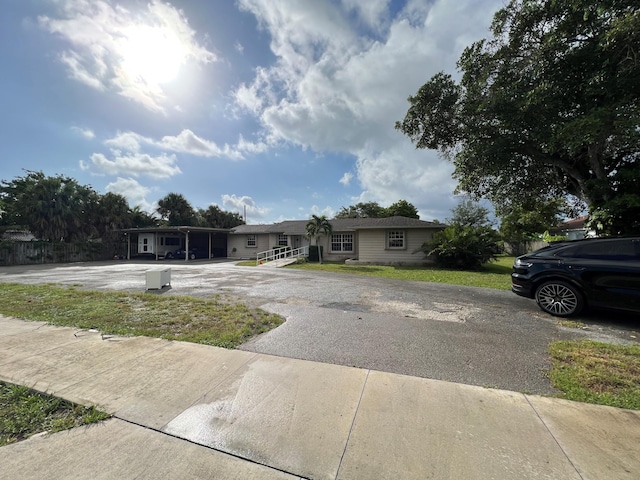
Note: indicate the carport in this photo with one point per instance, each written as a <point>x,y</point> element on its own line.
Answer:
<point>213,240</point>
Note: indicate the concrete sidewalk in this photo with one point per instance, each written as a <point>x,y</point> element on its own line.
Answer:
<point>191,411</point>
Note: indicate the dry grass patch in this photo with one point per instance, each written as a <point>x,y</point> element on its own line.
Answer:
<point>210,322</point>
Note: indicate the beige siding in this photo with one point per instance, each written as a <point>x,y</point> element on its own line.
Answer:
<point>239,242</point>
<point>370,246</point>
<point>330,256</point>
<point>373,247</point>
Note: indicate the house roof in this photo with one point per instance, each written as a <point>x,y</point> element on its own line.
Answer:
<point>574,224</point>
<point>297,227</point>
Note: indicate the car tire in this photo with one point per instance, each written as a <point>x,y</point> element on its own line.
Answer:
<point>559,298</point>
<point>169,256</point>
<point>192,256</point>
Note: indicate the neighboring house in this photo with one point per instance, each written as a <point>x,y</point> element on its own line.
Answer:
<point>390,240</point>
<point>18,236</point>
<point>574,229</point>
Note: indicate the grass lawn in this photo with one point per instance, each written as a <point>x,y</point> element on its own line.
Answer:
<point>493,275</point>
<point>211,322</point>
<point>595,372</point>
<point>24,412</point>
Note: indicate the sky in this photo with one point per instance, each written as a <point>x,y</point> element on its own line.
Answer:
<point>280,108</point>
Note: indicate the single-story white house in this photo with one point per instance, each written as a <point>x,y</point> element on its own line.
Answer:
<point>574,229</point>
<point>390,240</point>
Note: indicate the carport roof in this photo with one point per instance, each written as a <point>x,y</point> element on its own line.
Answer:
<point>174,229</point>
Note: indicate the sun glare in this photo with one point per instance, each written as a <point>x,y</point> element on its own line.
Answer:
<point>151,54</point>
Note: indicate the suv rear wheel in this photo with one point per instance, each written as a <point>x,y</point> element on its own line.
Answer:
<point>559,298</point>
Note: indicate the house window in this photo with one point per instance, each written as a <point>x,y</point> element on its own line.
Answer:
<point>282,240</point>
<point>342,242</point>
<point>251,241</point>
<point>395,239</point>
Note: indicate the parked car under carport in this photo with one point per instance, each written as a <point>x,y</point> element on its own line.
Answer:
<point>194,252</point>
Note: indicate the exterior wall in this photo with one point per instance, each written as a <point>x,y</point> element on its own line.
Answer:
<point>298,241</point>
<point>155,243</point>
<point>264,241</point>
<point>239,243</point>
<point>330,256</point>
<point>370,246</point>
<point>373,247</point>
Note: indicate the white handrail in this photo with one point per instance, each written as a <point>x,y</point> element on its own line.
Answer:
<point>280,253</point>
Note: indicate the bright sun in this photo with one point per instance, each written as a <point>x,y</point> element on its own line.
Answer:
<point>151,54</point>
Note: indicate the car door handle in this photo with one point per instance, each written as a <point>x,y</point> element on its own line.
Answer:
<point>576,269</point>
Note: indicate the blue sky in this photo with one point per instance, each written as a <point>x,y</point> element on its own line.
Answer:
<point>285,107</point>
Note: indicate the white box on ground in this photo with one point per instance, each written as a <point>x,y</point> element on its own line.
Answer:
<point>156,279</point>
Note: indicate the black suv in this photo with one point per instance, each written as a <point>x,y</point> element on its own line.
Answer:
<point>564,277</point>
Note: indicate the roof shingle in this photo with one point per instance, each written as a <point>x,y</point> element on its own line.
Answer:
<point>297,227</point>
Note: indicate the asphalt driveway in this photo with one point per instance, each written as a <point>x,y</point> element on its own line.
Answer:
<point>467,335</point>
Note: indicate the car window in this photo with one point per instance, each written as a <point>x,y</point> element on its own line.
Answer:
<point>622,249</point>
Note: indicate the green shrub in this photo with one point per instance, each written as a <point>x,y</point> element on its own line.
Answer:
<point>463,247</point>
<point>547,237</point>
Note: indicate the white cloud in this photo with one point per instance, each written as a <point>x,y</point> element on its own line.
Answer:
<point>127,141</point>
<point>135,164</point>
<point>254,97</point>
<point>79,72</point>
<point>329,212</point>
<point>84,132</point>
<point>331,91</point>
<point>129,51</point>
<point>424,180</point>
<point>251,147</point>
<point>134,192</point>
<point>374,13</point>
<point>188,142</point>
<point>346,179</point>
<point>237,204</point>
<point>185,142</point>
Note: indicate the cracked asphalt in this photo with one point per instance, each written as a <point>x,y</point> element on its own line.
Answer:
<point>468,335</point>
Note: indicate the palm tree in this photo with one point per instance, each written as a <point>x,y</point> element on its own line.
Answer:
<point>176,210</point>
<point>315,228</point>
<point>141,218</point>
<point>111,214</point>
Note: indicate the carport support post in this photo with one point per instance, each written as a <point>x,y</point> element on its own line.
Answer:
<point>209,253</point>
<point>186,247</point>
<point>128,246</point>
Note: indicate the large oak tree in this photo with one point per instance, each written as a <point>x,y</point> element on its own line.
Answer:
<point>374,210</point>
<point>548,106</point>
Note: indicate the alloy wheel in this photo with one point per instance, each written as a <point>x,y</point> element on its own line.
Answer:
<point>559,299</point>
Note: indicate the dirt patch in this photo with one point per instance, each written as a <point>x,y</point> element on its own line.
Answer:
<point>441,312</point>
